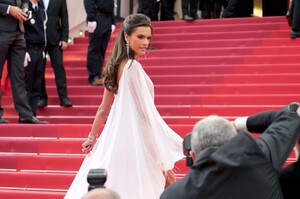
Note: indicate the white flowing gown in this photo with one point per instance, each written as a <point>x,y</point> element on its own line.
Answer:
<point>135,146</point>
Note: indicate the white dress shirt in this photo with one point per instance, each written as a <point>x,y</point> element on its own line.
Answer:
<point>46,3</point>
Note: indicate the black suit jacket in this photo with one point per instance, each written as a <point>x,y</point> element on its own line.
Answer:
<point>58,21</point>
<point>7,22</point>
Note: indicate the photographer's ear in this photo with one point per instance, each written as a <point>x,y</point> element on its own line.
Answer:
<point>193,155</point>
<point>297,148</point>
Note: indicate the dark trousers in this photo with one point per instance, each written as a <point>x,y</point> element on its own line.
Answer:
<point>98,41</point>
<point>296,16</point>
<point>56,58</point>
<point>148,8</point>
<point>274,7</point>
<point>238,8</point>
<point>211,9</point>
<point>190,7</point>
<point>167,10</point>
<point>12,49</point>
<point>34,73</point>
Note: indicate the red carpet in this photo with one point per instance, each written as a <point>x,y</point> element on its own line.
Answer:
<point>229,67</point>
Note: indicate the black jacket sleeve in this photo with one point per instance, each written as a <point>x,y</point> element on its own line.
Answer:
<point>280,131</point>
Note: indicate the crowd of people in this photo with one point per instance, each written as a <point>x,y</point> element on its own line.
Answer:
<point>30,29</point>
<point>13,50</point>
<point>164,9</point>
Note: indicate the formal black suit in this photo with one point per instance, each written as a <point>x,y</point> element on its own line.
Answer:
<point>57,30</point>
<point>12,49</point>
<point>101,12</point>
<point>243,167</point>
<point>35,42</point>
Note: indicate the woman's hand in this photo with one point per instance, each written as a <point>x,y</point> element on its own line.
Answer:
<point>88,144</point>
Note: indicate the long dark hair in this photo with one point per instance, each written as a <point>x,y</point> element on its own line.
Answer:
<point>119,54</point>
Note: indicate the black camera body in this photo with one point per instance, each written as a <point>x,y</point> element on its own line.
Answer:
<point>187,148</point>
<point>96,178</point>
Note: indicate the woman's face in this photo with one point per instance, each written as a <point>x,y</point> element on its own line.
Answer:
<point>139,40</point>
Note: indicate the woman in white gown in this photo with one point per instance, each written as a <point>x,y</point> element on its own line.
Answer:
<point>136,146</point>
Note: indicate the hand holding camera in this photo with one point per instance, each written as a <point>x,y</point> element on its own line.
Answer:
<point>187,149</point>
<point>18,13</point>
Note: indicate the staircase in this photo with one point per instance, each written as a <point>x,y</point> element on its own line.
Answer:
<point>229,67</point>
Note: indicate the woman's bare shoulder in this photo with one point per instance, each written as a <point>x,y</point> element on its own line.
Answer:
<point>121,68</point>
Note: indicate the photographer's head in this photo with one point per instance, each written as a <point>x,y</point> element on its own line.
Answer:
<point>101,193</point>
<point>212,131</point>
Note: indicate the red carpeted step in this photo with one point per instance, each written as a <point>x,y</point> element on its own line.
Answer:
<point>48,163</point>
<point>204,60</point>
<point>81,55</point>
<point>165,110</point>
<point>229,51</point>
<point>185,89</point>
<point>56,131</point>
<point>58,164</point>
<point>217,43</point>
<point>77,47</point>
<point>169,99</point>
<point>233,21</point>
<point>55,164</point>
<point>45,131</point>
<point>201,33</point>
<point>199,69</point>
<point>69,119</point>
<point>219,60</point>
<point>251,42</point>
<point>37,146</point>
<point>36,180</point>
<point>207,79</point>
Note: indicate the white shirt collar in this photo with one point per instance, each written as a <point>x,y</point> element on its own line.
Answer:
<point>46,3</point>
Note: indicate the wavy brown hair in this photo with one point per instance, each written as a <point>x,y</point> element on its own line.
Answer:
<point>119,54</point>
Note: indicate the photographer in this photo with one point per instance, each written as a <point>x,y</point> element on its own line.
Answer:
<point>96,190</point>
<point>234,166</point>
<point>101,24</point>
<point>101,193</point>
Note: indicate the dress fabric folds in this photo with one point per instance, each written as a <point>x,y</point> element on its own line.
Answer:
<point>136,145</point>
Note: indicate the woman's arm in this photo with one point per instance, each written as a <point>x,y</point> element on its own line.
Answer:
<point>100,118</point>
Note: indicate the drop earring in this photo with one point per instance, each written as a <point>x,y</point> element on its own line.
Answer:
<point>127,49</point>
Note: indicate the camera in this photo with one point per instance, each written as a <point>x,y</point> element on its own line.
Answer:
<point>96,178</point>
<point>187,148</point>
<point>25,8</point>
